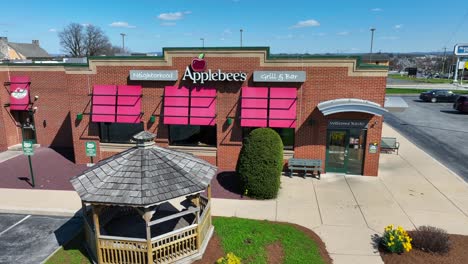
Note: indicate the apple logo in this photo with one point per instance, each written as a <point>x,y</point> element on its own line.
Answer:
<point>199,64</point>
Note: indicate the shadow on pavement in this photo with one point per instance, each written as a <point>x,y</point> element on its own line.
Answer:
<point>455,112</point>
<point>71,236</point>
<point>229,181</point>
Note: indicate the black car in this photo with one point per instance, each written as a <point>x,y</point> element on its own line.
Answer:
<point>438,96</point>
<point>461,104</point>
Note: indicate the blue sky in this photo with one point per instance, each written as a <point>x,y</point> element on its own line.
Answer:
<point>285,26</point>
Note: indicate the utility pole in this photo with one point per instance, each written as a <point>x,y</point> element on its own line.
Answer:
<point>203,42</point>
<point>443,63</point>
<point>123,41</point>
<point>241,30</point>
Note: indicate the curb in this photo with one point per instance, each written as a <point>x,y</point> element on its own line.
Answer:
<point>40,211</point>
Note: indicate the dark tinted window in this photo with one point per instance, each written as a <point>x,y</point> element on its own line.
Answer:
<point>184,135</point>
<point>119,132</point>
<point>286,135</point>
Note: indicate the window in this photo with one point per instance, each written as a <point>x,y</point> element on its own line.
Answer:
<point>186,135</point>
<point>286,135</point>
<point>119,132</point>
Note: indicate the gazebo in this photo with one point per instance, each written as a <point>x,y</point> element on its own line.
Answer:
<point>147,204</point>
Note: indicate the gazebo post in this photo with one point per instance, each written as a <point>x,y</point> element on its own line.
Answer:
<point>147,217</point>
<point>96,210</point>
<point>209,192</point>
<point>196,201</point>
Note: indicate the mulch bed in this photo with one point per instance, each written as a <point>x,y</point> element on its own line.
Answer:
<point>214,251</point>
<point>275,253</point>
<point>456,255</point>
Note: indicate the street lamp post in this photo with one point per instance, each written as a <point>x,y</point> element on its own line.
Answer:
<point>123,41</point>
<point>371,44</point>
<point>203,42</point>
<point>241,30</point>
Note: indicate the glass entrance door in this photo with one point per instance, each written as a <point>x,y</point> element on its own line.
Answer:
<point>345,150</point>
<point>337,150</point>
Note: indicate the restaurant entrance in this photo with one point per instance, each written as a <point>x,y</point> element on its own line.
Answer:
<point>345,150</point>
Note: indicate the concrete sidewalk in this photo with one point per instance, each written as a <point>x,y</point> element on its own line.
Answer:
<point>345,211</point>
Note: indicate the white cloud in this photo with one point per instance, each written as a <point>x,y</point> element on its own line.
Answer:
<point>188,34</point>
<point>168,24</point>
<point>377,9</point>
<point>52,30</point>
<point>343,33</point>
<point>399,26</point>
<point>121,24</point>
<point>389,37</point>
<point>306,23</point>
<point>173,16</point>
<point>86,24</point>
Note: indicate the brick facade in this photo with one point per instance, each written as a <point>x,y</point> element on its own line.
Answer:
<point>65,92</point>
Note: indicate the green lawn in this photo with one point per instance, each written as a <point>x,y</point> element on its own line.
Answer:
<point>415,91</point>
<point>248,238</point>
<point>421,80</point>
<point>72,252</point>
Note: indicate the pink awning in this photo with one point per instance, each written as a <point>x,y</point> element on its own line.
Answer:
<point>282,107</point>
<point>176,105</point>
<point>129,104</point>
<point>104,100</point>
<point>254,106</point>
<point>19,93</point>
<point>203,106</point>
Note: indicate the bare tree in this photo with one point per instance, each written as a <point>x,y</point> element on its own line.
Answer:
<point>78,41</point>
<point>72,40</point>
<point>97,43</point>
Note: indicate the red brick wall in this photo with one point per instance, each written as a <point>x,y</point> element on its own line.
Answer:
<point>65,95</point>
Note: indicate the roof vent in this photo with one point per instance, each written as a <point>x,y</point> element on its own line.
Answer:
<point>144,139</point>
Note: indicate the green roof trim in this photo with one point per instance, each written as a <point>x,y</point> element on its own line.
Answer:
<point>207,49</point>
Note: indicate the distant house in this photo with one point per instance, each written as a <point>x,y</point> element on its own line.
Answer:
<point>21,51</point>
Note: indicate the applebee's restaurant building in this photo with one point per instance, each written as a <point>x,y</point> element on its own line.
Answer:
<point>201,101</point>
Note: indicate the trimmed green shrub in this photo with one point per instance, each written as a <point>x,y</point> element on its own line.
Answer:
<point>260,164</point>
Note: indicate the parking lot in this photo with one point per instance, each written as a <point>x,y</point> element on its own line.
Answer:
<point>437,129</point>
<point>31,238</point>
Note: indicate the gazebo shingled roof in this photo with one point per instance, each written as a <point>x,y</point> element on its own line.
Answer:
<point>143,175</point>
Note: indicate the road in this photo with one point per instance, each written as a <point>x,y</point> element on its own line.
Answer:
<point>437,129</point>
<point>31,238</point>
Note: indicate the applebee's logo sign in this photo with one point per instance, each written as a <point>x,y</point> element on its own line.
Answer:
<point>196,72</point>
<point>19,93</point>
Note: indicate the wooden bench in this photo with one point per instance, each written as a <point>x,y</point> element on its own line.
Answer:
<point>305,165</point>
<point>389,144</point>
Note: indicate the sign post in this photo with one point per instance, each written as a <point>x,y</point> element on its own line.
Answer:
<point>28,150</point>
<point>90,150</point>
<point>460,50</point>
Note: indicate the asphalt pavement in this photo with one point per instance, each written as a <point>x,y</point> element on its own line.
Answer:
<point>31,239</point>
<point>437,129</point>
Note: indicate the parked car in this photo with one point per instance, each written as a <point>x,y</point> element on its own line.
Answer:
<point>461,104</point>
<point>438,96</point>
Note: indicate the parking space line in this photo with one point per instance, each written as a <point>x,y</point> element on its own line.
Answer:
<point>17,223</point>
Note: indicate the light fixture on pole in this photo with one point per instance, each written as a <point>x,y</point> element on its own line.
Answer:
<point>241,30</point>
<point>372,39</point>
<point>371,44</point>
<point>123,41</point>
<point>203,42</point>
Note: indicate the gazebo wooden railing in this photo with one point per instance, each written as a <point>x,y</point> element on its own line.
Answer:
<point>166,248</point>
